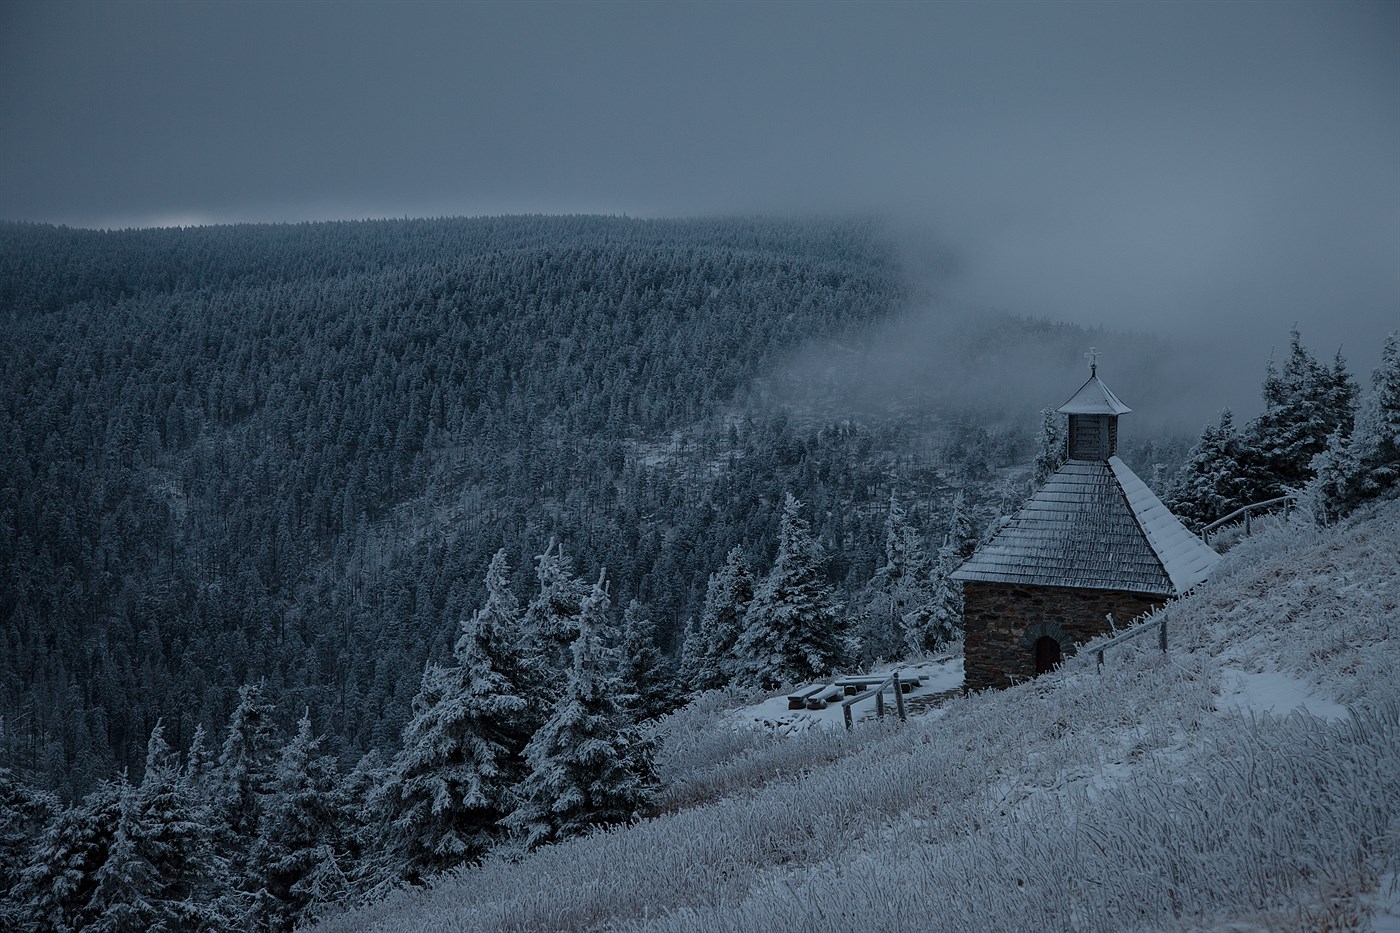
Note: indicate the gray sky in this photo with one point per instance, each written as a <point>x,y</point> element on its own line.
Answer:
<point>1218,169</point>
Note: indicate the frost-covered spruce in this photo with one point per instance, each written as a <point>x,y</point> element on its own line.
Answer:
<point>55,892</point>
<point>645,674</point>
<point>450,784</point>
<point>794,629</point>
<point>200,765</point>
<point>1376,441</point>
<point>1303,404</point>
<point>931,624</point>
<point>727,598</point>
<point>301,856</point>
<point>900,587</point>
<point>246,763</point>
<point>161,872</point>
<point>24,813</point>
<point>1050,445</point>
<point>585,770</point>
<point>692,658</point>
<point>550,623</point>
<point>962,531</point>
<point>1215,479</point>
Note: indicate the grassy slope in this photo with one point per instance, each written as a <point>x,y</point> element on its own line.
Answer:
<point>1145,797</point>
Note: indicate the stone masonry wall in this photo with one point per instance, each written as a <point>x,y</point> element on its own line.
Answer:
<point>1002,622</point>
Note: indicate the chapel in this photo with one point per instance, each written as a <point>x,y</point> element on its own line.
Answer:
<point>1093,541</point>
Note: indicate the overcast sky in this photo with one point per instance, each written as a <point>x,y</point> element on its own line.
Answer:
<point>1220,169</point>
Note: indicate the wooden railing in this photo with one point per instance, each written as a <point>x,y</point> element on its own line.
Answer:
<point>1247,511</point>
<point>878,692</point>
<point>1160,625</point>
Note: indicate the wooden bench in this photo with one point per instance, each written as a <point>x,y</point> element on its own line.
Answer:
<point>822,697</point>
<point>798,698</point>
<point>861,682</point>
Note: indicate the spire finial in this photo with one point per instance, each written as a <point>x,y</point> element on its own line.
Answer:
<point>1093,357</point>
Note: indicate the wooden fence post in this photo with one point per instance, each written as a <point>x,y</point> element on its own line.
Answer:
<point>1162,635</point>
<point>899,697</point>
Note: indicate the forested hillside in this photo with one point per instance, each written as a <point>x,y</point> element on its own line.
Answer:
<point>285,454</point>
<point>1248,778</point>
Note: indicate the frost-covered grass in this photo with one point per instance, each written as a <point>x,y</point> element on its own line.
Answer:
<point>1140,798</point>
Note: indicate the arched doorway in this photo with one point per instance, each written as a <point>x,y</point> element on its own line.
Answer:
<point>1047,654</point>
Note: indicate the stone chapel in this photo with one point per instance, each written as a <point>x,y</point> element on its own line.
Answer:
<point>1093,540</point>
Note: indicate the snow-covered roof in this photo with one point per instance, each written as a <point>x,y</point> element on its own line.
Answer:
<point>1187,559</point>
<point>1094,525</point>
<point>1094,398</point>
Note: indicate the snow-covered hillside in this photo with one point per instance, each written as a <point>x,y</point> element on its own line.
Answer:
<point>1247,779</point>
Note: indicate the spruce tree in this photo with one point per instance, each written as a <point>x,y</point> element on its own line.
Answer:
<point>301,857</point>
<point>727,598</point>
<point>962,532</point>
<point>200,766</point>
<point>246,763</point>
<point>56,890</point>
<point>550,623</point>
<point>691,665</point>
<point>900,588</point>
<point>645,675</point>
<point>1216,478</point>
<point>585,766</point>
<point>937,620</point>
<point>450,784</point>
<point>1327,493</point>
<point>1303,404</point>
<point>24,814</point>
<point>161,872</point>
<point>1376,441</point>
<point>794,629</point>
<point>1051,450</point>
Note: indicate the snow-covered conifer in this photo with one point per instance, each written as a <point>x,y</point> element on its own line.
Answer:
<point>645,674</point>
<point>1376,441</point>
<point>24,813</point>
<point>161,872</point>
<point>692,658</point>
<point>585,770</point>
<point>450,784</point>
<point>727,597</point>
<point>962,532</point>
<point>794,629</point>
<point>200,764</point>
<point>936,620</point>
<point>1303,404</point>
<point>1216,477</point>
<point>1050,445</point>
<point>56,888</point>
<point>301,858</point>
<point>900,588</point>
<point>550,623</point>
<point>1327,493</point>
<point>246,762</point>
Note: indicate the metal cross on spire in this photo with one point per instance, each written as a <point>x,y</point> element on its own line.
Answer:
<point>1093,357</point>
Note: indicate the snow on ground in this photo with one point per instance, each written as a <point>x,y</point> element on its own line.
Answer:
<point>936,676</point>
<point>1247,779</point>
<point>1273,692</point>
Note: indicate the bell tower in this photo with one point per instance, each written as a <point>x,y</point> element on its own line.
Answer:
<point>1093,417</point>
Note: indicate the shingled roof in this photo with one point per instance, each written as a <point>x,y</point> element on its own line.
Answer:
<point>1094,525</point>
<point>1094,398</point>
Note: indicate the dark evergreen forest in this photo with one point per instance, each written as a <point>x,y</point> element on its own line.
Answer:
<point>286,454</point>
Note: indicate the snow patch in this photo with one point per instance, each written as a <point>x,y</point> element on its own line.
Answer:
<point>1274,693</point>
